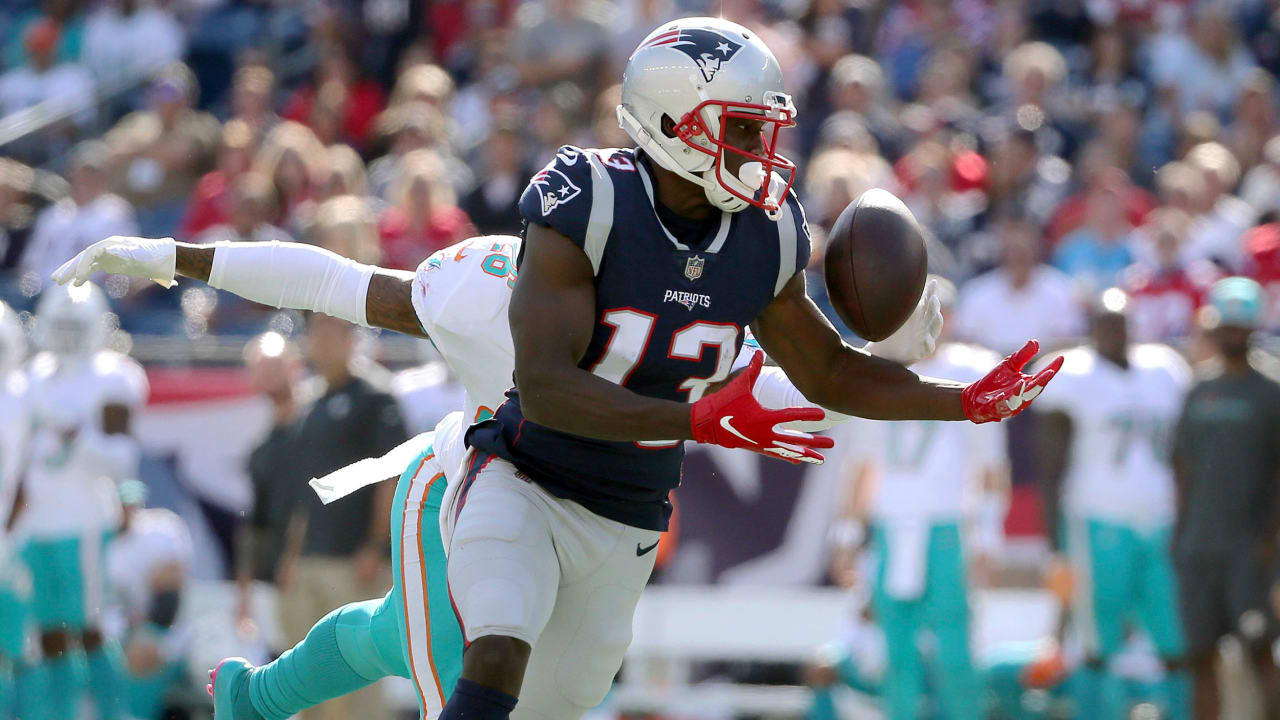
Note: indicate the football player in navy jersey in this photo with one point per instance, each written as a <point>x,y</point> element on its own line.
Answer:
<point>639,272</point>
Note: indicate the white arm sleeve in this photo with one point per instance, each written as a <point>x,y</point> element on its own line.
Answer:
<point>293,275</point>
<point>774,390</point>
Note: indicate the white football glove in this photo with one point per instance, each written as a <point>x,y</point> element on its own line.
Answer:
<point>918,336</point>
<point>150,258</point>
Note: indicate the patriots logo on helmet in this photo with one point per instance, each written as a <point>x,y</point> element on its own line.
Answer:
<point>708,48</point>
<point>555,188</point>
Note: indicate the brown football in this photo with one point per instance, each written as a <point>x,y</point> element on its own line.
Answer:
<point>875,264</point>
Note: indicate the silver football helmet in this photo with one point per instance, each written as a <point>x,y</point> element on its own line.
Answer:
<point>13,341</point>
<point>701,72</point>
<point>71,321</point>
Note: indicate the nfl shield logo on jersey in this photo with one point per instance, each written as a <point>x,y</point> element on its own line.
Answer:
<point>555,189</point>
<point>693,267</point>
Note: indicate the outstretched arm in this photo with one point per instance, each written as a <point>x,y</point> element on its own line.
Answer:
<point>832,374</point>
<point>292,275</point>
<point>552,319</point>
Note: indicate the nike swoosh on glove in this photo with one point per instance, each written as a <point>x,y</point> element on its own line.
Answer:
<point>732,418</point>
<point>155,259</point>
<point>1006,390</point>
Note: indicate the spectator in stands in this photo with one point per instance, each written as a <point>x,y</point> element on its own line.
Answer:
<point>1025,180</point>
<point>1254,120</point>
<point>274,367</point>
<point>1098,173</point>
<point>88,214</point>
<point>68,15</point>
<point>211,199</point>
<point>251,92</point>
<point>1261,185</point>
<point>1032,299</point>
<point>1095,253</point>
<point>1262,262</point>
<point>66,86</point>
<point>16,214</point>
<point>1208,69</point>
<point>147,565</point>
<point>605,130</point>
<point>1165,290</point>
<point>292,157</point>
<point>338,89</point>
<point>348,226</point>
<point>1226,464</point>
<point>423,82</point>
<point>928,174</point>
<point>338,554</point>
<point>857,84</point>
<point>411,126</point>
<point>253,205</point>
<point>560,40</point>
<point>127,40</point>
<point>1223,217</point>
<point>492,205</point>
<point>161,151</point>
<point>423,217</point>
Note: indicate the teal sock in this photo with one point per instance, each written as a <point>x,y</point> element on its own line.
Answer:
<point>1114,697</point>
<point>31,685</point>
<point>1175,692</point>
<point>338,656</point>
<point>1086,692</point>
<point>8,689</point>
<point>65,684</point>
<point>106,682</point>
<point>824,705</point>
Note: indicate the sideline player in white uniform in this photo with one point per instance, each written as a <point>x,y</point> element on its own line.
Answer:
<point>82,398</point>
<point>938,492</point>
<point>459,297</point>
<point>147,569</point>
<point>15,581</point>
<point>1104,434</point>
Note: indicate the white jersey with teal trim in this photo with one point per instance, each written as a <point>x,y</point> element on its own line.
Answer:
<point>926,470</point>
<point>461,295</point>
<point>1121,423</point>
<point>14,429</point>
<point>66,492</point>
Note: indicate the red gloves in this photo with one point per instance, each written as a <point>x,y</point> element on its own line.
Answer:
<point>1006,390</point>
<point>732,418</point>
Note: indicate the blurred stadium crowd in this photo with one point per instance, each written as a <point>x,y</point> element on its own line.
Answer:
<point>1051,148</point>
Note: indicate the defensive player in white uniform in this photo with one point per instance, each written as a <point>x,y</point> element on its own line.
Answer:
<point>1105,430</point>
<point>15,581</point>
<point>82,397</point>
<point>938,496</point>
<point>458,298</point>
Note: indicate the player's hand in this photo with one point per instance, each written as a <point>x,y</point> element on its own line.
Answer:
<point>732,418</point>
<point>1059,580</point>
<point>152,258</point>
<point>1006,390</point>
<point>918,336</point>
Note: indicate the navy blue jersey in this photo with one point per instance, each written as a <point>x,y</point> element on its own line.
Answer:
<point>670,319</point>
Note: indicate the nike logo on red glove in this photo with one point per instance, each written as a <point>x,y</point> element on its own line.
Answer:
<point>732,418</point>
<point>1006,390</point>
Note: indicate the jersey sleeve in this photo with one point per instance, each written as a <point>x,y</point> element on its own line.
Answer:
<point>465,284</point>
<point>794,242</point>
<point>560,195</point>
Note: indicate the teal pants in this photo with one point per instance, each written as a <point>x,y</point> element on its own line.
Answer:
<point>942,610</point>
<point>13,620</point>
<point>66,580</point>
<point>412,632</point>
<point>1123,575</point>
